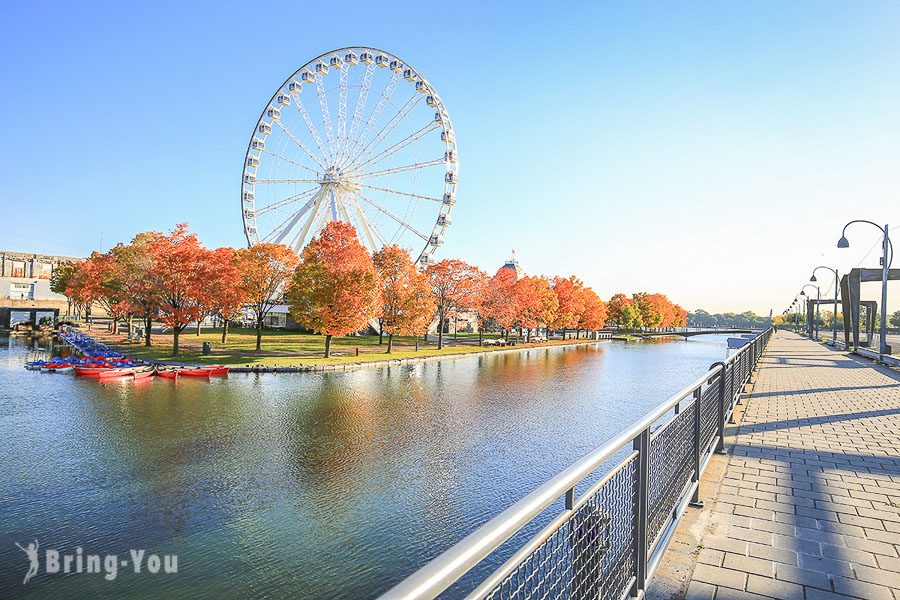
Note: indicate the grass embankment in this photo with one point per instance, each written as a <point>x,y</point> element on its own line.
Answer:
<point>289,348</point>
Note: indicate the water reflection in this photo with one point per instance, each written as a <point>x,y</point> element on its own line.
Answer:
<point>321,485</point>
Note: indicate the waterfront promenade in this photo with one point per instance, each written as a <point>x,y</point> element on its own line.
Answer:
<point>807,502</point>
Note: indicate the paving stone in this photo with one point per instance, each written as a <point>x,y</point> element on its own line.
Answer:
<point>698,590</point>
<point>815,579</point>
<point>719,576</point>
<point>861,589</point>
<point>773,587</point>
<point>748,564</point>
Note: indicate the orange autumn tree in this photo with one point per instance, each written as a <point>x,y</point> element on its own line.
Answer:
<point>225,295</point>
<point>104,283</point>
<point>454,284</point>
<point>595,312</point>
<point>405,303</point>
<point>181,269</point>
<point>265,270</point>
<point>335,290</point>
<point>549,303</point>
<point>571,302</point>
<point>501,302</point>
<point>528,305</point>
<point>615,306</point>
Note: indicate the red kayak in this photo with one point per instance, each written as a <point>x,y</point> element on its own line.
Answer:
<point>218,370</point>
<point>90,371</point>
<point>196,372</point>
<point>135,372</point>
<point>168,373</point>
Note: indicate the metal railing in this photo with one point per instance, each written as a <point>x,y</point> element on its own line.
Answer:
<point>607,541</point>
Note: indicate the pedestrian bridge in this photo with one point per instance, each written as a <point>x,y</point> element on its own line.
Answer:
<point>686,333</point>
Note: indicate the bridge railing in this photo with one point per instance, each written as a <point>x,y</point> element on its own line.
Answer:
<point>607,539</point>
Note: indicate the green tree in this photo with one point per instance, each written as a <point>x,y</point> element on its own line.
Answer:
<point>895,319</point>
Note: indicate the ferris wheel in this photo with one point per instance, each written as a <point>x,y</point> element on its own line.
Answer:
<point>355,135</point>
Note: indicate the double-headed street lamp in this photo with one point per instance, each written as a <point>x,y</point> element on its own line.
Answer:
<point>836,284</point>
<point>885,267</point>
<point>818,298</point>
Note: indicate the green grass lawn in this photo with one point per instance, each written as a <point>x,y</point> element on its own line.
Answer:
<point>291,348</point>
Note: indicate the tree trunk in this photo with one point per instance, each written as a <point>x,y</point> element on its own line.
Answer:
<point>390,342</point>
<point>380,332</point>
<point>480,335</point>
<point>199,320</point>
<point>176,332</point>
<point>259,324</point>
<point>224,330</point>
<point>149,322</point>
<point>440,332</point>
<point>327,346</point>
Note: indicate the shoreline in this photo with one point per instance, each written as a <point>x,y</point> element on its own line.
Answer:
<point>352,366</point>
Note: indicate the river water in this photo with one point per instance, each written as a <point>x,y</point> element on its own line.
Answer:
<point>303,485</point>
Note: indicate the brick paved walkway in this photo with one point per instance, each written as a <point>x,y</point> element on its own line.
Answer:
<point>809,506</point>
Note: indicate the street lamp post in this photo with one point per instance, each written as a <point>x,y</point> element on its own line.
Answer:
<point>836,284</point>
<point>810,326</point>
<point>885,267</point>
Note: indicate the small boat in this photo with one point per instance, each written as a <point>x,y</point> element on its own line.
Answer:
<point>35,365</point>
<point>57,368</point>
<point>134,372</point>
<point>168,372</point>
<point>90,371</point>
<point>195,372</point>
<point>143,372</point>
<point>218,370</point>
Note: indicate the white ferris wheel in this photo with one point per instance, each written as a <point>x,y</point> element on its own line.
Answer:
<point>356,135</point>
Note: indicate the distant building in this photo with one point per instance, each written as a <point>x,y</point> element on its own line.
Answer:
<point>25,278</point>
<point>513,264</point>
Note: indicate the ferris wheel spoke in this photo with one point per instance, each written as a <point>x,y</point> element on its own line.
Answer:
<point>313,130</point>
<point>326,113</point>
<point>342,110</point>
<point>376,113</point>
<point>411,167</point>
<point>387,129</point>
<point>299,142</point>
<point>300,238</point>
<point>295,218</point>
<point>399,145</point>
<point>282,227</point>
<point>285,202</point>
<point>287,160</point>
<point>399,193</point>
<point>364,223</point>
<point>361,100</point>
<point>385,211</point>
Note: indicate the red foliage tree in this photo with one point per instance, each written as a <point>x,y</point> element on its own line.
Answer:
<point>594,315</point>
<point>265,269</point>
<point>335,289</point>
<point>224,294</point>
<point>454,287</point>
<point>571,302</point>
<point>405,305</point>
<point>181,270</point>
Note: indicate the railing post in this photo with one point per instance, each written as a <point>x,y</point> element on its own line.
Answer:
<point>698,407</point>
<point>641,510</point>
<point>720,445</point>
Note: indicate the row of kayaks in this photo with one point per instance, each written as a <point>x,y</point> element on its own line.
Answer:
<point>59,364</point>
<point>141,372</point>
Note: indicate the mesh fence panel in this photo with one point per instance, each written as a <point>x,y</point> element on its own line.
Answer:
<point>671,466</point>
<point>590,556</point>
<point>709,411</point>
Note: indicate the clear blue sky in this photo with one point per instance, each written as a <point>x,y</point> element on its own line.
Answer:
<point>705,150</point>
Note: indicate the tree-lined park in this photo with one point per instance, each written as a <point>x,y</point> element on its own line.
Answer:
<point>333,288</point>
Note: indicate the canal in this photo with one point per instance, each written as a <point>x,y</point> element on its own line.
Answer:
<point>319,486</point>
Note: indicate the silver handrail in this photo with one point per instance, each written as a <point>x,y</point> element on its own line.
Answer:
<point>447,568</point>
